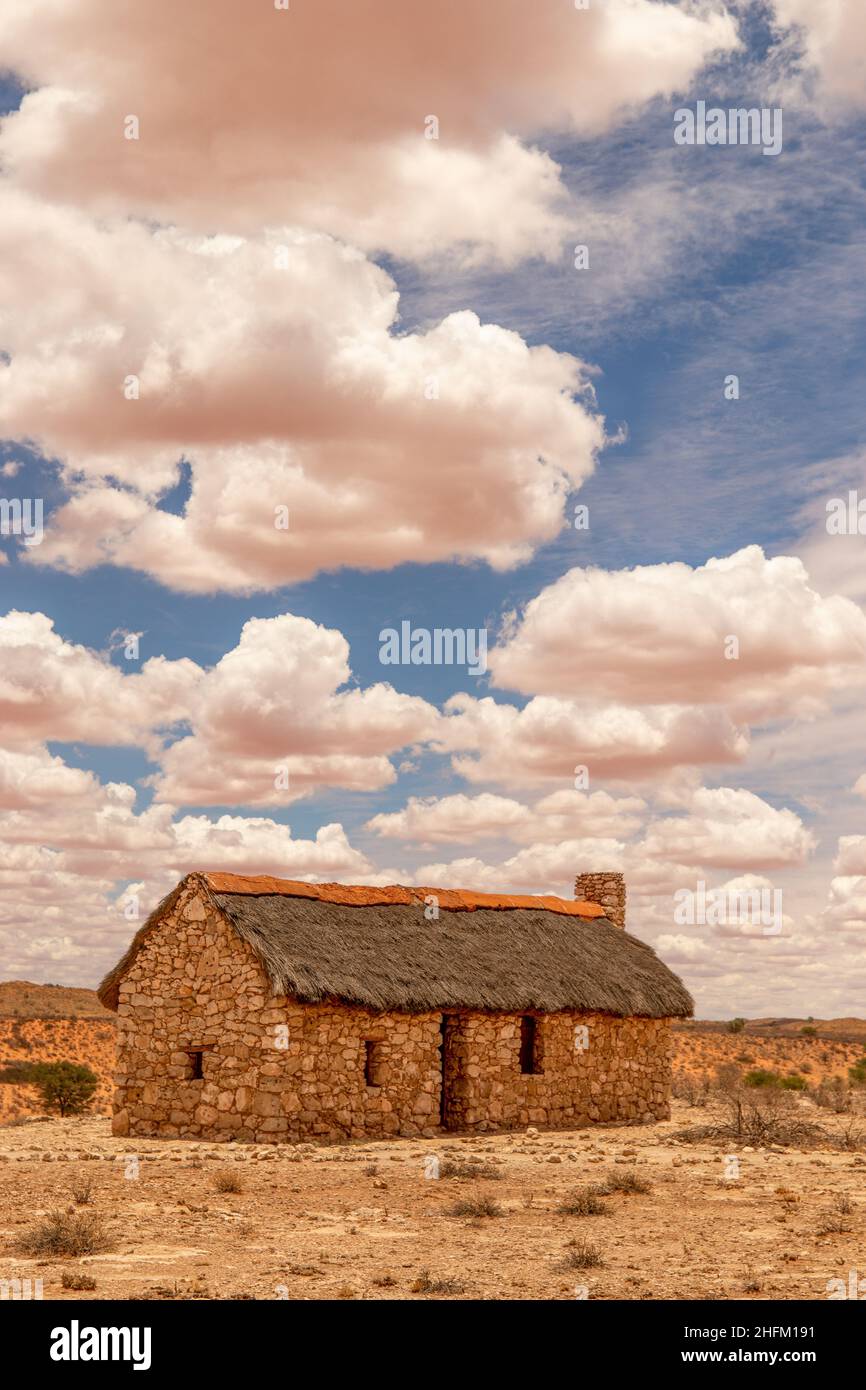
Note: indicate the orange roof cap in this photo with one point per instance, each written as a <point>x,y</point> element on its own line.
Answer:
<point>352,895</point>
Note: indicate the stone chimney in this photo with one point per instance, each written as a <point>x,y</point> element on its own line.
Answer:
<point>608,890</point>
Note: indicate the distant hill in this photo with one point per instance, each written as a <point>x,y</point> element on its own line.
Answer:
<point>843,1029</point>
<point>23,999</point>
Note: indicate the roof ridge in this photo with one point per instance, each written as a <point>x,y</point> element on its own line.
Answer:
<point>362,895</point>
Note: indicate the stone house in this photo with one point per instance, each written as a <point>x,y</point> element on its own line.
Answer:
<point>261,1009</point>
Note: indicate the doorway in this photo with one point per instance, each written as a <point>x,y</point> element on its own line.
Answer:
<point>446,1070</point>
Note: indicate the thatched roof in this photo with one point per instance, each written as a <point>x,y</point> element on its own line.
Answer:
<point>388,956</point>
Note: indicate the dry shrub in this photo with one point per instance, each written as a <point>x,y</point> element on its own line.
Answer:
<point>65,1233</point>
<point>228,1181</point>
<point>759,1116</point>
<point>837,1221</point>
<point>694,1090</point>
<point>728,1076</point>
<point>468,1168</point>
<point>158,1292</point>
<point>627,1181</point>
<point>852,1137</point>
<point>77,1281</point>
<point>581,1255</point>
<point>584,1202</point>
<point>424,1284</point>
<point>833,1094</point>
<point>82,1190</point>
<point>476,1206</point>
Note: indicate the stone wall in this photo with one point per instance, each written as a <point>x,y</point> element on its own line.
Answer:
<point>273,1069</point>
<point>594,1067</point>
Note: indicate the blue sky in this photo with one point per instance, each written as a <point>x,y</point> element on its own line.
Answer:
<point>703,262</point>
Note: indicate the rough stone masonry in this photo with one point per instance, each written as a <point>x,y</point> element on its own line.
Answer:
<point>205,1051</point>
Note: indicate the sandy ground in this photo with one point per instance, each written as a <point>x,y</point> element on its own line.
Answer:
<point>699,1051</point>
<point>361,1220</point>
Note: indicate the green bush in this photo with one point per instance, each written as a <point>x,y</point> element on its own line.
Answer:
<point>857,1073</point>
<point>761,1077</point>
<point>19,1073</point>
<point>65,1087</point>
<point>809,1032</point>
<point>794,1082</point>
<point>736,1025</point>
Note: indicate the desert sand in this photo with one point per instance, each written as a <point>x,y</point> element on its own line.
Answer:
<point>371,1220</point>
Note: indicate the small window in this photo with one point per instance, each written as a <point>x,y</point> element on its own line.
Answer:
<point>530,1050</point>
<point>195,1070</point>
<point>372,1062</point>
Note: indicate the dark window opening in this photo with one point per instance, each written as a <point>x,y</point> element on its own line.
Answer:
<point>196,1063</point>
<point>530,1049</point>
<point>372,1063</point>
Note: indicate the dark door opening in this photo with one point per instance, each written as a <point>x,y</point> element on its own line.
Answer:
<point>444,1069</point>
<point>530,1051</point>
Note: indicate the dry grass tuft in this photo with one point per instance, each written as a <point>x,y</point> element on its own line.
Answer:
<point>228,1181</point>
<point>65,1233</point>
<point>584,1202</point>
<point>477,1207</point>
<point>468,1168</point>
<point>627,1181</point>
<point>837,1220</point>
<point>82,1190</point>
<point>424,1284</point>
<point>580,1254</point>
